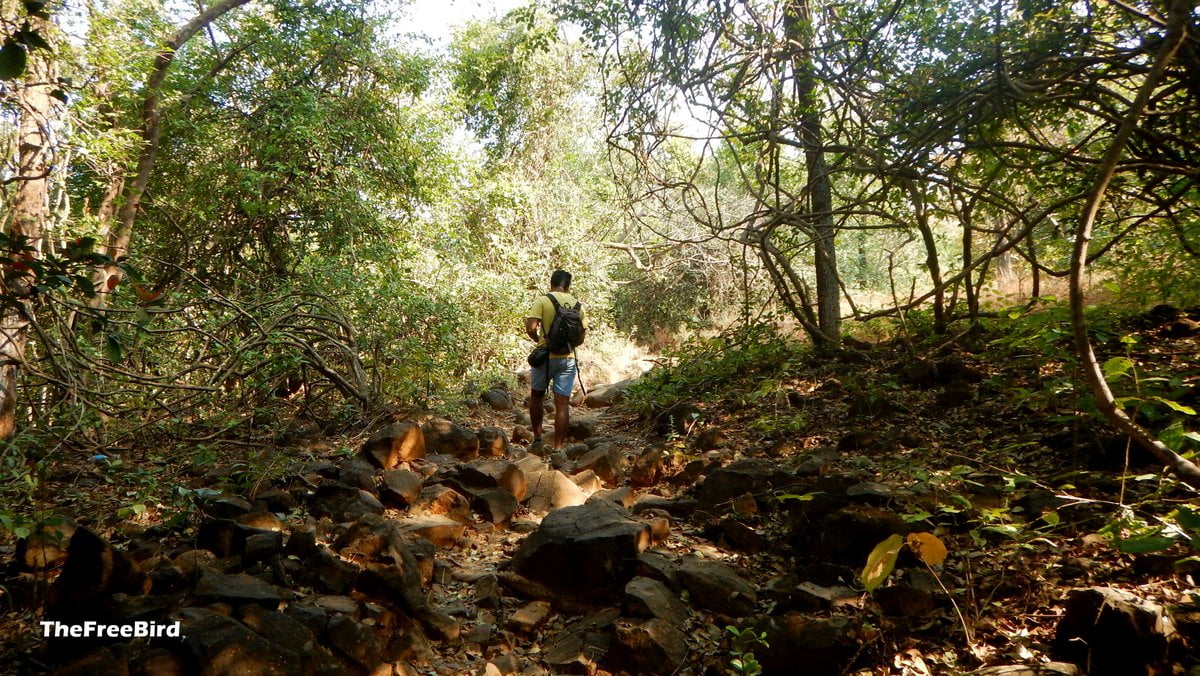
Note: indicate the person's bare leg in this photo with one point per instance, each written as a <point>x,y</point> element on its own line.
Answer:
<point>536,400</point>
<point>562,419</point>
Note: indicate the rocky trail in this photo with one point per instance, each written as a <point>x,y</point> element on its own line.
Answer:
<point>684,544</point>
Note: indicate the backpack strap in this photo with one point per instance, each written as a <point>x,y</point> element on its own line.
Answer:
<point>553,301</point>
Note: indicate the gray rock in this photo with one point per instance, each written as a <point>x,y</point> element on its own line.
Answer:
<point>237,587</point>
<point>646,597</point>
<point>750,475</point>
<point>225,645</point>
<point>1111,631</point>
<point>356,640</point>
<point>357,473</point>
<point>582,551</point>
<point>607,395</point>
<point>497,399</point>
<point>715,586</point>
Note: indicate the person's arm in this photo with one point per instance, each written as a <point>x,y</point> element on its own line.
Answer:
<point>532,324</point>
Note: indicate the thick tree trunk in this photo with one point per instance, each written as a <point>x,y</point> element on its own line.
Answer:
<point>1092,370</point>
<point>28,212</point>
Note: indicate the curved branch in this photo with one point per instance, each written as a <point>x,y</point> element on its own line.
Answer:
<point>1083,234</point>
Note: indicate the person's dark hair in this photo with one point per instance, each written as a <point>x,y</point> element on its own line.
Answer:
<point>560,279</point>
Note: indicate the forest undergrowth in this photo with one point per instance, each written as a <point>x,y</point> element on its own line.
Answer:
<point>982,437</point>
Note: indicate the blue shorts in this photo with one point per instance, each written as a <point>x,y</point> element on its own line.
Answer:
<point>561,373</point>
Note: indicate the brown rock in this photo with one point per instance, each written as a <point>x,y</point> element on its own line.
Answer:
<point>394,444</point>
<point>495,505</point>
<point>439,500</point>
<point>551,489</point>
<point>652,646</point>
<point>401,487</point>
<point>356,640</point>
<point>495,474</point>
<point>492,442</point>
<point>606,461</point>
<point>530,617</point>
<point>444,436</point>
<point>440,531</point>
<point>225,646</point>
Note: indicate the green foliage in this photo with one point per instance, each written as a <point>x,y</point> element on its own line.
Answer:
<point>741,653</point>
<point>660,303</point>
<point>714,367</point>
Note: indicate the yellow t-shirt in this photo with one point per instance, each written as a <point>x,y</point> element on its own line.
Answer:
<point>543,309</point>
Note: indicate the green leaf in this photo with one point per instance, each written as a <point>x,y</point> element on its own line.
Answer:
<point>1051,518</point>
<point>1117,367</point>
<point>799,498</point>
<point>113,349</point>
<point>12,60</point>
<point>1188,518</point>
<point>1008,530</point>
<point>881,562</point>
<point>22,532</point>
<point>1176,406</point>
<point>1145,545</point>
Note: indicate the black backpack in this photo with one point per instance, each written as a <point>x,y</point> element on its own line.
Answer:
<point>566,328</point>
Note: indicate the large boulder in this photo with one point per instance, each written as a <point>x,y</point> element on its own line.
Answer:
<point>344,503</point>
<point>495,474</point>
<point>492,442</point>
<point>651,646</point>
<point>445,437</point>
<point>225,646</point>
<point>797,644</point>
<point>751,475</point>
<point>396,443</point>
<point>715,586</point>
<point>586,550</point>
<point>607,395</point>
<point>1111,631</point>
<point>551,489</point>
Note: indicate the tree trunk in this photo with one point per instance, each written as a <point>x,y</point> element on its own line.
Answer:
<point>28,212</point>
<point>798,29</point>
<point>117,246</point>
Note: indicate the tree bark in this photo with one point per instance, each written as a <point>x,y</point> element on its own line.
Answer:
<point>28,212</point>
<point>799,31</point>
<point>1092,371</point>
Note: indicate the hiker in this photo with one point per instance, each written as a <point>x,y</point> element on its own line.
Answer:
<point>555,322</point>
